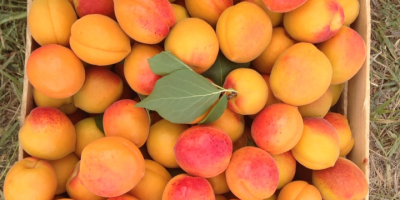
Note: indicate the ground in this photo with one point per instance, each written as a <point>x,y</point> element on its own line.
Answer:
<point>385,93</point>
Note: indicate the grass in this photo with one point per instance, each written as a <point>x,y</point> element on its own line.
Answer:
<point>385,100</point>
<point>385,93</point>
<point>12,48</point>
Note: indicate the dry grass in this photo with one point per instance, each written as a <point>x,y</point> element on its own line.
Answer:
<point>385,100</point>
<point>385,93</point>
<point>12,48</point>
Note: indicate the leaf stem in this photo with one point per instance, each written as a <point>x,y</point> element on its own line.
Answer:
<point>231,95</point>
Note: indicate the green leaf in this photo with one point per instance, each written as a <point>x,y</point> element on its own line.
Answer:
<point>181,97</point>
<point>216,111</point>
<point>250,143</point>
<point>141,97</point>
<point>99,122</point>
<point>221,68</point>
<point>165,63</point>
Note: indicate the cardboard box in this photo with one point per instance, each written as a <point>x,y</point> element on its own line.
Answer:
<point>354,102</point>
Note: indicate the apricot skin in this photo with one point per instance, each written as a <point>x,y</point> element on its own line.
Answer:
<point>101,88</point>
<point>298,190</point>
<point>55,71</point>
<point>252,174</point>
<point>107,48</point>
<point>161,141</point>
<point>203,150</point>
<point>208,10</point>
<point>319,146</point>
<point>50,21</point>
<point>137,70</point>
<point>243,22</point>
<point>344,181</point>
<point>183,187</point>
<point>251,91</point>
<point>125,120</point>
<point>300,75</point>
<point>277,128</point>
<point>315,21</point>
<point>151,22</point>
<point>22,180</point>
<point>194,42</point>
<point>111,166</point>
<point>156,177</point>
<point>48,134</point>
<point>347,52</point>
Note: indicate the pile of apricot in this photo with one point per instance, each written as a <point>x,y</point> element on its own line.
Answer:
<point>278,138</point>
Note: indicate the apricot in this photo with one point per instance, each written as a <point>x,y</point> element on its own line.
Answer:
<point>101,88</point>
<point>137,70</point>
<point>251,91</point>
<point>286,166</point>
<point>347,53</point>
<point>300,75</point>
<point>161,141</point>
<point>343,181</point>
<point>22,180</point>
<point>244,31</point>
<point>283,6</point>
<point>123,197</point>
<point>275,17</point>
<point>277,128</point>
<point>279,43</point>
<point>351,10</point>
<point>219,184</point>
<point>63,168</point>
<point>319,145</point>
<point>107,48</point>
<point>87,7</point>
<point>75,189</point>
<point>336,92</point>
<point>299,190</point>
<point>232,123</point>
<point>55,71</point>
<point>111,166</point>
<point>183,187</point>
<point>50,21</point>
<point>346,150</point>
<point>194,42</point>
<point>125,120</point>
<point>252,174</point>
<point>318,108</point>
<point>315,21</point>
<point>203,150</point>
<point>151,22</point>
<point>86,132</point>
<point>207,10</point>
<point>155,177</point>
<point>180,12</point>
<point>66,105</point>
<point>342,127</point>
<point>47,133</point>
